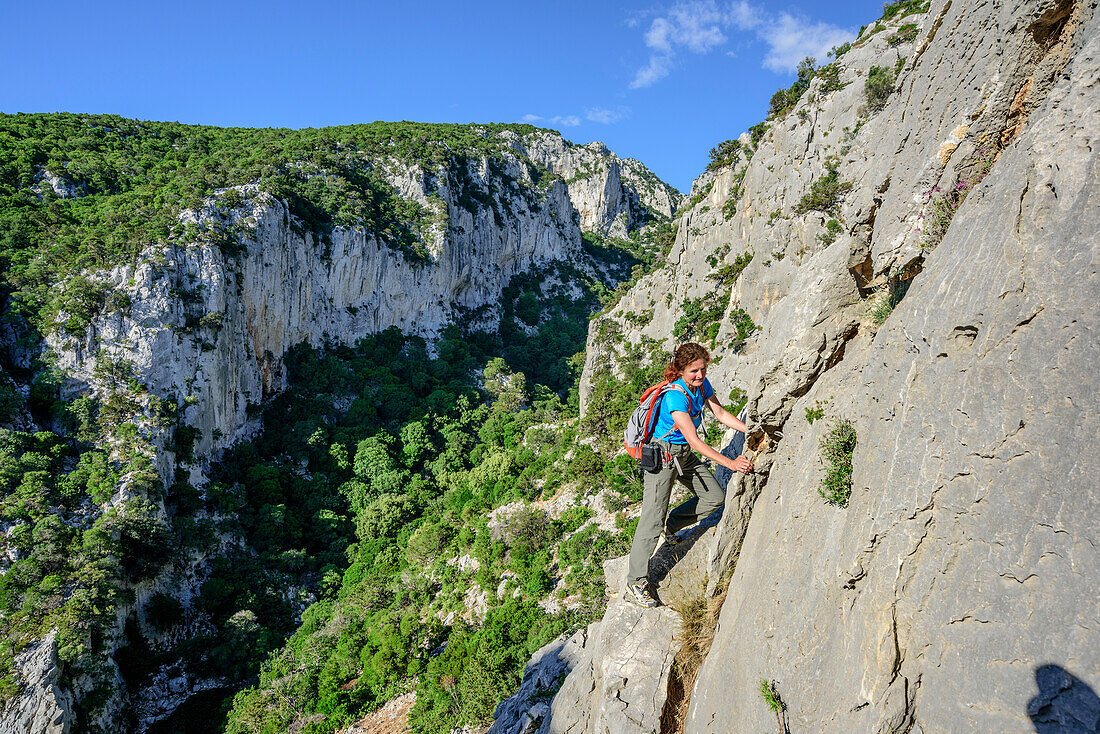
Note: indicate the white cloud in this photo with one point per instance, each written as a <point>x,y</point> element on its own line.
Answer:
<point>656,70</point>
<point>657,37</point>
<point>744,17</point>
<point>565,120</point>
<point>792,39</point>
<point>701,26</point>
<point>605,116</point>
<point>556,120</point>
<point>697,25</point>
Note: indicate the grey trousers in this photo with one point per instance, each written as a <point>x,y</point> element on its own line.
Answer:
<point>709,497</point>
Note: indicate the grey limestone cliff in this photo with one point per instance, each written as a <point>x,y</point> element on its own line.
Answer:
<point>957,589</point>
<point>613,195</point>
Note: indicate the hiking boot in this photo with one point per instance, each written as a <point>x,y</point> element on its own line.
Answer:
<point>639,593</point>
<point>670,537</point>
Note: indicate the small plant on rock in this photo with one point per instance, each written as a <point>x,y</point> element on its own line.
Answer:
<point>882,302</point>
<point>816,412</point>
<point>744,325</point>
<point>879,86</point>
<point>905,34</point>
<point>944,204</point>
<point>826,192</point>
<point>837,447</point>
<point>775,704</point>
<point>833,228</point>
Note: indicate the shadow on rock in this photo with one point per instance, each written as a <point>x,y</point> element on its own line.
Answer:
<point>1065,703</point>
<point>667,556</point>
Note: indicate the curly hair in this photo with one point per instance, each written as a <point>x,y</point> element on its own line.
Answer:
<point>685,354</point>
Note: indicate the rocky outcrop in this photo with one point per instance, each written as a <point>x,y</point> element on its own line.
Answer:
<point>614,196</point>
<point>618,681</point>
<point>523,712</point>
<point>42,706</point>
<point>960,569</point>
<point>955,592</point>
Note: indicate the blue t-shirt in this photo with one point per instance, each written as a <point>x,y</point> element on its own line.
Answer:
<point>672,400</point>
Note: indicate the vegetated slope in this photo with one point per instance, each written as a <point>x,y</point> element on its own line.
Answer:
<point>903,256</point>
<point>163,283</point>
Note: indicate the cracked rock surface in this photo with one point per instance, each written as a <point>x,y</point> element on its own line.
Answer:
<point>41,707</point>
<point>957,591</point>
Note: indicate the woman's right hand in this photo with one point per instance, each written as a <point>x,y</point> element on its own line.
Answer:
<point>741,464</point>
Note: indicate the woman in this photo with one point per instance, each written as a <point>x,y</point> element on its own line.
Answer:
<point>676,431</point>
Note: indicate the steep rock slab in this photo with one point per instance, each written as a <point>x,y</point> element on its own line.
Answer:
<point>618,684</point>
<point>752,208</point>
<point>42,707</point>
<point>523,711</point>
<point>957,592</point>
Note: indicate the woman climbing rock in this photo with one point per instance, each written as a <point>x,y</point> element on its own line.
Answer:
<point>676,432</point>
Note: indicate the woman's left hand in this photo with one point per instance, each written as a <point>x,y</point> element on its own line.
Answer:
<point>742,464</point>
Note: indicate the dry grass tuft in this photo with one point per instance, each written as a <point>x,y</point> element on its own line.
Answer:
<point>698,623</point>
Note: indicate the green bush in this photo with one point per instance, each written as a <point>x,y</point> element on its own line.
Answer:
<point>837,447</point>
<point>724,154</point>
<point>833,228</point>
<point>902,8</point>
<point>701,317</point>
<point>825,193</point>
<point>745,327</point>
<point>904,34</point>
<point>878,87</point>
<point>784,100</point>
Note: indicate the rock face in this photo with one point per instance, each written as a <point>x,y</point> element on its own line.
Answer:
<point>962,566</point>
<point>522,712</point>
<point>614,196</point>
<point>956,590</point>
<point>618,680</point>
<point>42,707</point>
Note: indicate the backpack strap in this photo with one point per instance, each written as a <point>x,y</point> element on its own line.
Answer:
<point>673,386</point>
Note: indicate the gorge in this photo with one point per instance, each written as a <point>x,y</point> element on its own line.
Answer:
<point>299,423</point>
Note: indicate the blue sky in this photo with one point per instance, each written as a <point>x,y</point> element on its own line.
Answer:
<point>659,82</point>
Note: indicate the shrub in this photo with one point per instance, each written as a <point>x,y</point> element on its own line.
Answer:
<point>785,99</point>
<point>837,447</point>
<point>10,402</point>
<point>826,192</point>
<point>745,327</point>
<point>882,303</point>
<point>727,275</point>
<point>738,399</point>
<point>701,317</point>
<point>946,203</point>
<point>833,228</point>
<point>902,8</point>
<point>905,34</point>
<point>817,411</point>
<point>878,87</point>
<point>830,78</point>
<point>724,154</point>
<point>756,133</point>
